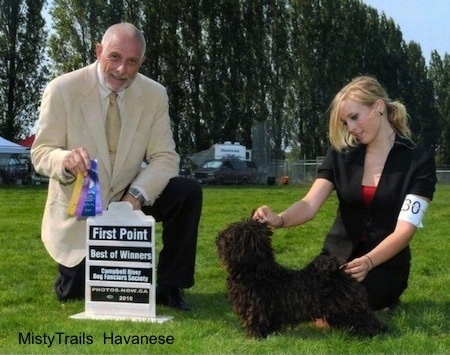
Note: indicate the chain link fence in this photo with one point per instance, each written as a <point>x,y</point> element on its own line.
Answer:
<point>305,171</point>
<point>443,173</point>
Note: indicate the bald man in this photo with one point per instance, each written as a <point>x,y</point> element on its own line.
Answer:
<point>72,131</point>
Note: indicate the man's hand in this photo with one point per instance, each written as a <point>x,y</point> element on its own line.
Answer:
<point>134,201</point>
<point>77,160</point>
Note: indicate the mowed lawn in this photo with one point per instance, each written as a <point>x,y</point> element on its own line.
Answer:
<point>33,321</point>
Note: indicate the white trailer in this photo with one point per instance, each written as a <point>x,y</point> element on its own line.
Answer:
<point>229,150</point>
<point>221,151</point>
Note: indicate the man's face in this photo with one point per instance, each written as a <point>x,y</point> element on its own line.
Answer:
<point>120,58</point>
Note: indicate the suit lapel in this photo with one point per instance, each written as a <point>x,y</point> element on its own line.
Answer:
<point>91,108</point>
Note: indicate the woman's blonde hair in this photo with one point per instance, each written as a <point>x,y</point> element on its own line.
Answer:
<point>364,90</point>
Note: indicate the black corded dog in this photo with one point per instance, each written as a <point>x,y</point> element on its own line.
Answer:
<point>268,297</point>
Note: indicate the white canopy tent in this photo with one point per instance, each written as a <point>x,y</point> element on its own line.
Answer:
<point>9,147</point>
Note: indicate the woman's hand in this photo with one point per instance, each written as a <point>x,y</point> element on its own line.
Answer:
<point>264,214</point>
<point>358,268</point>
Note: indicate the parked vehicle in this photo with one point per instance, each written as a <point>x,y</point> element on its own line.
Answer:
<point>12,170</point>
<point>226,171</point>
<point>218,151</point>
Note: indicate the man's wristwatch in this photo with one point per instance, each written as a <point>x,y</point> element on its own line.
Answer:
<point>137,195</point>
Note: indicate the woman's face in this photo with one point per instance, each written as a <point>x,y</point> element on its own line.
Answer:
<point>363,122</point>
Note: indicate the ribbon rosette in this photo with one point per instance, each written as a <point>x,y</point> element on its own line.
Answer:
<point>86,197</point>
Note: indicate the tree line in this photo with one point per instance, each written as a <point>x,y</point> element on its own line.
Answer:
<point>231,65</point>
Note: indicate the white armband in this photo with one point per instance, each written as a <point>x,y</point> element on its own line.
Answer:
<point>413,209</point>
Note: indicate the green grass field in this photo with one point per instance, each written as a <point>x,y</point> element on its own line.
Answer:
<point>29,310</point>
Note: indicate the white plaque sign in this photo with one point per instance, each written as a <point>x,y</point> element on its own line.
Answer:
<point>120,265</point>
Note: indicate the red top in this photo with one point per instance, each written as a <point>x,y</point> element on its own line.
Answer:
<point>368,192</point>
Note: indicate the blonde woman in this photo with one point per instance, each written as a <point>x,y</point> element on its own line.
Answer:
<point>384,183</point>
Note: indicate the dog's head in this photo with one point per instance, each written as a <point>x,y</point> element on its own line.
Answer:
<point>245,244</point>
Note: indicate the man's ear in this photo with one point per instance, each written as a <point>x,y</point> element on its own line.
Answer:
<point>98,50</point>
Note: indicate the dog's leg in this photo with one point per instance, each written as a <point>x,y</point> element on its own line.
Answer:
<point>255,319</point>
<point>253,310</point>
<point>349,310</point>
<point>358,321</point>
<point>344,301</point>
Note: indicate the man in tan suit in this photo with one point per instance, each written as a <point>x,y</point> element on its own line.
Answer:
<point>72,131</point>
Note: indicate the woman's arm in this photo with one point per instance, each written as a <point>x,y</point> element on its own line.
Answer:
<point>301,211</point>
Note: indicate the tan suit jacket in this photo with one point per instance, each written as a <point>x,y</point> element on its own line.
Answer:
<point>71,117</point>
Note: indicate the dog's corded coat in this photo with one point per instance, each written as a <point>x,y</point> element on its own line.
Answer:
<point>268,297</point>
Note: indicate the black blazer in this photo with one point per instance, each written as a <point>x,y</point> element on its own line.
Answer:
<point>409,169</point>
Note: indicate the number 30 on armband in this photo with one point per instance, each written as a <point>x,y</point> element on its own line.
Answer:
<point>413,210</point>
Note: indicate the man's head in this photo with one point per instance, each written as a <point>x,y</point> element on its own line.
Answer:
<point>121,54</point>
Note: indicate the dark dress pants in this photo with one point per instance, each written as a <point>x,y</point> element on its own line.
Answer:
<point>385,283</point>
<point>178,208</point>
